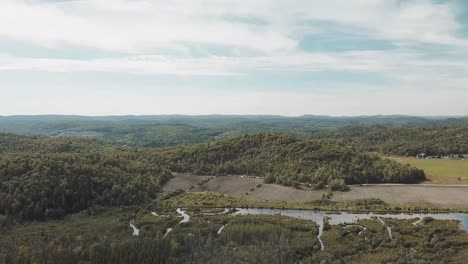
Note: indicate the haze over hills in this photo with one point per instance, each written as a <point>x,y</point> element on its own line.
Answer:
<point>172,130</point>
<point>29,124</point>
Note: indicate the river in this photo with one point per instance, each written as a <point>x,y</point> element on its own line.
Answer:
<point>344,217</point>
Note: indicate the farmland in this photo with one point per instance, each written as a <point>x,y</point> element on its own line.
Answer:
<point>255,189</point>
<point>440,171</point>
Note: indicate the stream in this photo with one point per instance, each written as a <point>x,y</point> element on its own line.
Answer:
<point>344,217</point>
<point>221,229</point>
<point>184,215</point>
<point>169,230</point>
<point>186,219</point>
<point>136,231</point>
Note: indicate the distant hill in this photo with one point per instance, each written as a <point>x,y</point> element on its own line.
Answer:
<point>173,130</point>
<point>405,141</point>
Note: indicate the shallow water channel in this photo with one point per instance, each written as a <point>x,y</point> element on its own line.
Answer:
<point>344,217</point>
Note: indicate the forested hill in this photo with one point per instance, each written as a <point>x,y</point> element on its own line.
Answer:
<point>51,177</point>
<point>405,141</point>
<point>48,178</point>
<point>286,160</point>
<point>168,131</point>
<point>15,144</point>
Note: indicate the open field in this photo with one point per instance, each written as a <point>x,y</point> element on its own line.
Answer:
<point>440,171</point>
<point>421,195</point>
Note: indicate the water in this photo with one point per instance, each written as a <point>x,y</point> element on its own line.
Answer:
<point>389,232</point>
<point>221,229</point>
<point>169,230</point>
<point>344,217</point>
<point>184,215</point>
<point>226,210</point>
<point>389,229</point>
<point>136,231</point>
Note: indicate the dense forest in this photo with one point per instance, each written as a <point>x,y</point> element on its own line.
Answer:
<point>16,144</point>
<point>286,160</point>
<point>407,141</point>
<point>51,177</point>
<point>52,185</point>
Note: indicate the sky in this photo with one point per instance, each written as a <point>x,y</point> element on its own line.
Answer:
<point>197,57</point>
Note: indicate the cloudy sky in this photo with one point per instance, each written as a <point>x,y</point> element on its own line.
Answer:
<point>334,57</point>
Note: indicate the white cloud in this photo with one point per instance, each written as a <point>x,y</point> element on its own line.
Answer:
<point>409,68</point>
<point>253,103</point>
<point>145,28</point>
<point>126,26</point>
<point>137,26</point>
<point>157,38</point>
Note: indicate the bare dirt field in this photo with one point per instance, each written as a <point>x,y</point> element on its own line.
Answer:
<point>428,195</point>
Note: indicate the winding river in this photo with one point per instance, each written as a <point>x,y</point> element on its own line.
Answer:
<point>344,217</point>
<point>184,215</point>
<point>186,219</point>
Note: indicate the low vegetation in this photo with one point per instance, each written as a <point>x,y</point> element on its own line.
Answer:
<point>106,237</point>
<point>449,171</point>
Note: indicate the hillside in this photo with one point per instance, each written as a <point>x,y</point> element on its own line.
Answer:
<point>286,160</point>
<point>51,177</point>
<point>44,178</point>
<point>16,144</point>
<point>405,141</point>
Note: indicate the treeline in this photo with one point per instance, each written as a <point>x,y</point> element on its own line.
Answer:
<point>69,250</point>
<point>286,160</point>
<point>406,141</point>
<point>164,136</point>
<point>36,187</point>
<point>11,143</point>
<point>50,177</point>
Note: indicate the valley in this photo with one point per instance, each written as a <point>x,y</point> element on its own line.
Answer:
<point>235,196</point>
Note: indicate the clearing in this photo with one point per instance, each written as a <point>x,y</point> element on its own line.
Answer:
<point>440,171</point>
<point>254,188</point>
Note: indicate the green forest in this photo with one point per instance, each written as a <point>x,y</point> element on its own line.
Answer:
<point>286,160</point>
<point>408,141</point>
<point>51,177</point>
<point>395,135</point>
<point>71,197</point>
<point>36,187</point>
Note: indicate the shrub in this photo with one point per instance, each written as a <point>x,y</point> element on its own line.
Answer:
<point>338,185</point>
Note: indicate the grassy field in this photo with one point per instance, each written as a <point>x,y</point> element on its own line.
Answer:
<point>440,171</point>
